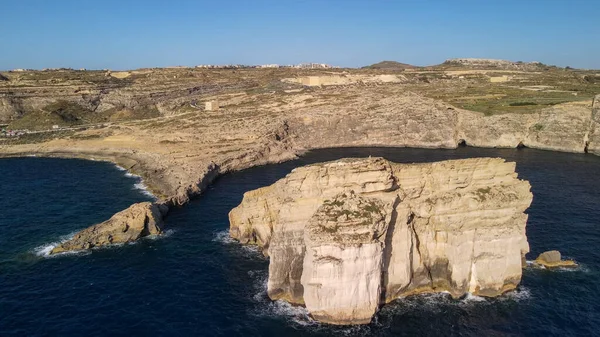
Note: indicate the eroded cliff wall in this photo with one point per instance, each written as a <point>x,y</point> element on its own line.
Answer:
<point>345,236</point>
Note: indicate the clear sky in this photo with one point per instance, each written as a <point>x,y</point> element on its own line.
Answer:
<point>126,34</point>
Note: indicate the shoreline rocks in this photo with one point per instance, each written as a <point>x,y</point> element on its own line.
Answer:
<point>344,237</point>
<point>553,259</point>
<point>131,224</point>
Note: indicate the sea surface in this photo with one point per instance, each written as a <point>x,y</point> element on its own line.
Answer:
<point>195,281</point>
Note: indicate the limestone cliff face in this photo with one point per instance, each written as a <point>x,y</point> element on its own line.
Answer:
<point>346,236</point>
<point>139,220</point>
<point>411,120</point>
<point>593,141</point>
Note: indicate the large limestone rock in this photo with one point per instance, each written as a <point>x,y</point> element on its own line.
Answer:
<point>137,221</point>
<point>342,266</point>
<point>344,237</point>
<point>593,139</point>
<point>553,259</point>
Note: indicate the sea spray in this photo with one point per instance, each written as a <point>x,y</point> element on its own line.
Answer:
<point>139,185</point>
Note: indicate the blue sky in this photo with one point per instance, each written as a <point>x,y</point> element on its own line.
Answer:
<point>128,34</point>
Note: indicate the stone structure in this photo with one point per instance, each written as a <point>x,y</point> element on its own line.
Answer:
<point>499,79</point>
<point>212,105</point>
<point>344,237</point>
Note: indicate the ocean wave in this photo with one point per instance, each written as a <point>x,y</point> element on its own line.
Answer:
<point>470,298</point>
<point>45,249</point>
<point>163,235</point>
<point>120,168</point>
<point>251,251</point>
<point>519,294</point>
<point>267,308</point>
<point>223,237</point>
<point>140,186</point>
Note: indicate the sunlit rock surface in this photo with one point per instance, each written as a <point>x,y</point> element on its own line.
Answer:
<point>346,236</point>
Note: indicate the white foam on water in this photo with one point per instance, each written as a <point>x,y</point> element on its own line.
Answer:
<point>45,249</point>
<point>163,235</point>
<point>144,189</point>
<point>120,168</point>
<point>223,237</point>
<point>519,294</point>
<point>140,186</point>
<point>251,249</point>
<point>470,298</point>
<point>268,308</point>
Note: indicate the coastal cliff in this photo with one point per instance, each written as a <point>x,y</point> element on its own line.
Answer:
<point>344,237</point>
<point>182,150</point>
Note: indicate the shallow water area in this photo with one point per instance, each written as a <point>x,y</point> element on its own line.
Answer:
<point>195,280</point>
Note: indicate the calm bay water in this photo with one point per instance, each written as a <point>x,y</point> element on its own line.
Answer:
<point>194,281</point>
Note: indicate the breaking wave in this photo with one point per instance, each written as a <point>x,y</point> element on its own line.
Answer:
<point>144,189</point>
<point>45,249</point>
<point>223,237</point>
<point>265,307</point>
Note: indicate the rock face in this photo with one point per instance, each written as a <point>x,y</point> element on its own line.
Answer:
<point>342,265</point>
<point>137,221</point>
<point>344,237</point>
<point>553,259</point>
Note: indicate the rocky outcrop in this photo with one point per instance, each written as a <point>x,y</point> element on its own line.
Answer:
<point>410,120</point>
<point>553,259</point>
<point>592,142</point>
<point>346,236</point>
<point>129,225</point>
<point>341,272</point>
<point>564,127</point>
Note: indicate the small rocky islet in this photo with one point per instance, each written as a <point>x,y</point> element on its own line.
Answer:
<point>345,237</point>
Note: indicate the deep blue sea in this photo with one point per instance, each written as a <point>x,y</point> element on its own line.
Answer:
<point>194,281</point>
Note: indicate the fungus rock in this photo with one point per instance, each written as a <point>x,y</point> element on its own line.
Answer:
<point>344,237</point>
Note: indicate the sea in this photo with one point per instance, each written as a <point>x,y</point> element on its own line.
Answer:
<point>195,281</point>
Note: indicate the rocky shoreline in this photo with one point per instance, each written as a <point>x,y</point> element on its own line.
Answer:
<point>178,162</point>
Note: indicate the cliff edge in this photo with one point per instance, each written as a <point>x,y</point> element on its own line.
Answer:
<point>345,237</point>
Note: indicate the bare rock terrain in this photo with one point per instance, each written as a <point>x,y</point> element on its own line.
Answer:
<point>129,225</point>
<point>344,237</point>
<point>152,121</point>
<point>552,259</point>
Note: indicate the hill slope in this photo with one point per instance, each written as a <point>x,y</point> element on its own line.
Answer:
<point>390,65</point>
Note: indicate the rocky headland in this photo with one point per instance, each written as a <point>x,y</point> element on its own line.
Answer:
<point>152,123</point>
<point>129,225</point>
<point>345,237</point>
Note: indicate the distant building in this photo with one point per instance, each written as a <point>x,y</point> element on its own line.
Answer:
<point>314,66</point>
<point>311,81</point>
<point>211,105</point>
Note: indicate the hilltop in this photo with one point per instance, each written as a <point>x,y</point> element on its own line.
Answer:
<point>390,65</point>
<point>480,63</point>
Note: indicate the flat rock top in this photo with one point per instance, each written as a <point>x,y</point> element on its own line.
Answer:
<point>348,219</point>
